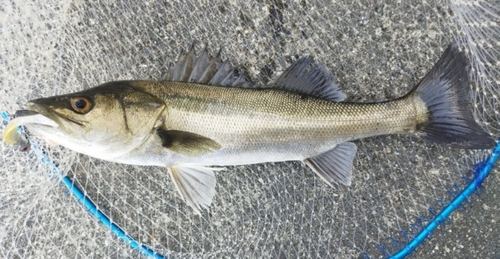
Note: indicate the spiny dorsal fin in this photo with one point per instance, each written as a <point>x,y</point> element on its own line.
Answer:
<point>305,76</point>
<point>203,69</point>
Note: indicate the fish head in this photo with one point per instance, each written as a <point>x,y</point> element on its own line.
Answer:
<point>104,122</point>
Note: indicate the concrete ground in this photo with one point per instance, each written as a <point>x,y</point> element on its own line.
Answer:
<point>474,232</point>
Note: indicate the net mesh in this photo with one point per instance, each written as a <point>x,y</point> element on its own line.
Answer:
<point>377,50</point>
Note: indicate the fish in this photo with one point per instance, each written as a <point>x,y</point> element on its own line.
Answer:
<point>207,115</point>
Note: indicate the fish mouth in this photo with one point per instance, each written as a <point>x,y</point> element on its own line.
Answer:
<point>25,113</point>
<point>37,108</point>
<point>31,117</point>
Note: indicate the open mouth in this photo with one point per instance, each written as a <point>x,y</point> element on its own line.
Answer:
<point>24,113</point>
<point>36,108</point>
<point>24,117</point>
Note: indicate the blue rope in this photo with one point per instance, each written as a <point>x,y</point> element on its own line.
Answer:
<point>107,222</point>
<point>92,208</point>
<point>482,172</point>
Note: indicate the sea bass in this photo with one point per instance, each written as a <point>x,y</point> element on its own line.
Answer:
<point>207,114</point>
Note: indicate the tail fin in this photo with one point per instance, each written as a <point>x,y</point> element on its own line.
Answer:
<point>445,92</point>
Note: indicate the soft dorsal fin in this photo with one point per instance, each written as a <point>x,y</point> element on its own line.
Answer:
<point>203,69</point>
<point>307,77</point>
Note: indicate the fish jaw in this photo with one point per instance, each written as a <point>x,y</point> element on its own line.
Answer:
<point>43,124</point>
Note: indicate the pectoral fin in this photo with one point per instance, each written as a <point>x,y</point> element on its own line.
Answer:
<point>195,184</point>
<point>187,143</point>
<point>335,165</point>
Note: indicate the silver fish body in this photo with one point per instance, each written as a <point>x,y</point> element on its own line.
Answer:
<point>265,125</point>
<point>205,114</point>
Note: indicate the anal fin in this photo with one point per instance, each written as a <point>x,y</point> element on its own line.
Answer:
<point>334,165</point>
<point>195,184</point>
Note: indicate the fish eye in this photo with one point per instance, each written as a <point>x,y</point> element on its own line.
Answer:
<point>81,105</point>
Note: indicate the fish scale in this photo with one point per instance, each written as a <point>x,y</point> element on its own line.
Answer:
<point>221,112</point>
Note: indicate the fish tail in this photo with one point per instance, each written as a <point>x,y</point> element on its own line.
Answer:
<point>447,117</point>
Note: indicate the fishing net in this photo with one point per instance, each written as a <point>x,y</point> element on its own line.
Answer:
<point>377,50</point>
